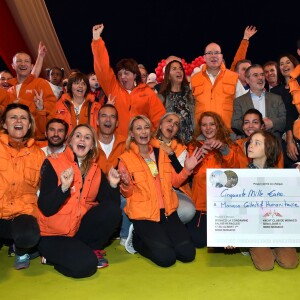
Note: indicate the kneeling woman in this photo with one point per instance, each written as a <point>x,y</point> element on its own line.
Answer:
<point>79,208</point>
<point>147,179</point>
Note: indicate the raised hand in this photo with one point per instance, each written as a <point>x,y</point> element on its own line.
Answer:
<point>38,100</point>
<point>66,178</point>
<point>97,30</point>
<point>194,159</point>
<point>42,50</point>
<point>111,99</point>
<point>249,32</point>
<point>113,177</point>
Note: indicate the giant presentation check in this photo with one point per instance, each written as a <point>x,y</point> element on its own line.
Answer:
<point>253,207</point>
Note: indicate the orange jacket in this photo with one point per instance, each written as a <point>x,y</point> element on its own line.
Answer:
<point>26,96</point>
<point>199,180</point>
<point>83,197</point>
<point>141,101</point>
<point>217,98</point>
<point>88,113</point>
<point>178,149</point>
<point>244,160</point>
<point>112,161</point>
<point>19,177</point>
<point>142,199</point>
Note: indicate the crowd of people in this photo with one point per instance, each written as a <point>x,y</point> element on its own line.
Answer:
<point>90,157</point>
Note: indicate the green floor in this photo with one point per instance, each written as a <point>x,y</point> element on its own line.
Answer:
<point>210,276</point>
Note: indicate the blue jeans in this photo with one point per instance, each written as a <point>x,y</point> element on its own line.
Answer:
<point>125,221</point>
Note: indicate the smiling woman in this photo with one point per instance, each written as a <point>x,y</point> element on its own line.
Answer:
<point>78,106</point>
<point>20,164</point>
<point>79,207</point>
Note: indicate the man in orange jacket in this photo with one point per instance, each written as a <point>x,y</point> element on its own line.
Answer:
<point>215,87</point>
<point>34,92</point>
<point>112,145</point>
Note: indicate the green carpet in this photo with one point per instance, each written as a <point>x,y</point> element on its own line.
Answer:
<point>210,276</point>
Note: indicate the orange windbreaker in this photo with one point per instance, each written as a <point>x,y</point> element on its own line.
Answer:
<point>88,113</point>
<point>67,220</point>
<point>141,101</point>
<point>19,177</point>
<point>112,161</point>
<point>26,96</point>
<point>178,149</point>
<point>142,199</point>
<point>217,98</point>
<point>199,180</point>
<point>244,160</point>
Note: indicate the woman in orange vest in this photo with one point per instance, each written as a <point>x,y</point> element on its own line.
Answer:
<point>20,163</point>
<point>168,137</point>
<point>147,178</point>
<point>79,207</point>
<point>78,105</point>
<point>221,153</point>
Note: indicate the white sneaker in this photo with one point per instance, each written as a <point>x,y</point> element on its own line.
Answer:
<point>123,241</point>
<point>128,243</point>
<point>244,251</point>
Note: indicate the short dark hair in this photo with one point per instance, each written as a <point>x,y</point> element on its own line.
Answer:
<point>9,107</point>
<point>111,106</point>
<point>131,65</point>
<point>77,77</point>
<point>242,61</point>
<point>255,112</point>
<point>57,120</point>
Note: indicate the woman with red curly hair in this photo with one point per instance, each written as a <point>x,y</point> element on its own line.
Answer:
<point>221,153</point>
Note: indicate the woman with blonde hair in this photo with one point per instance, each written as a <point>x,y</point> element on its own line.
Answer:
<point>147,178</point>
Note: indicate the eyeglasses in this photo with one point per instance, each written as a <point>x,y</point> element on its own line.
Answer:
<point>213,53</point>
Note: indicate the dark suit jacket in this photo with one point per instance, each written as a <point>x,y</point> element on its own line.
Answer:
<point>275,110</point>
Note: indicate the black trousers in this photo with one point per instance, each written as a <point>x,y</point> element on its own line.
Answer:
<point>163,242</point>
<point>23,230</point>
<point>197,228</point>
<point>74,256</point>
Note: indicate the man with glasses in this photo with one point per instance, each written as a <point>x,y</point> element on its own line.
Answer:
<point>270,105</point>
<point>215,87</point>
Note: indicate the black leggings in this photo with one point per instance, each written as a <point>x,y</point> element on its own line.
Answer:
<point>23,230</point>
<point>74,256</point>
<point>197,229</point>
<point>163,242</point>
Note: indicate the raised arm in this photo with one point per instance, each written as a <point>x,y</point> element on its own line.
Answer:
<point>37,68</point>
<point>242,50</point>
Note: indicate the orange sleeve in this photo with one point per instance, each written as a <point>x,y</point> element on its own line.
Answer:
<point>179,179</point>
<point>240,53</point>
<point>104,72</point>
